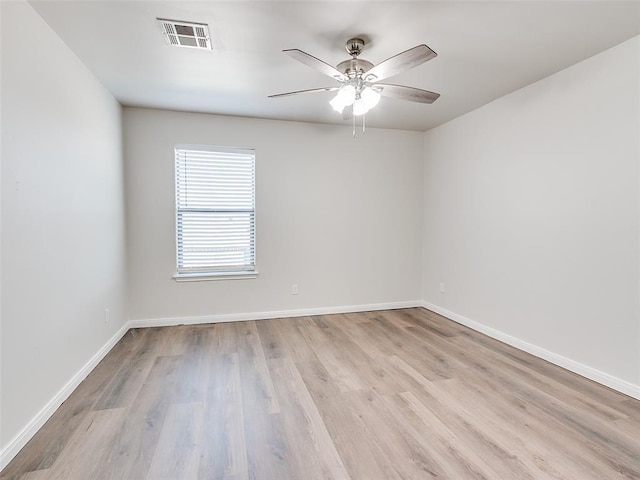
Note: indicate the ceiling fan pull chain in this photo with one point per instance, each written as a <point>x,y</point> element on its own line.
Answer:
<point>363,128</point>
<point>354,125</point>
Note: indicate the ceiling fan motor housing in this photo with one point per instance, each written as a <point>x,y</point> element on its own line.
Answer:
<point>354,66</point>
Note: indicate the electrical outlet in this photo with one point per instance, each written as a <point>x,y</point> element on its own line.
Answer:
<point>441,287</point>
<point>294,289</point>
<point>106,315</point>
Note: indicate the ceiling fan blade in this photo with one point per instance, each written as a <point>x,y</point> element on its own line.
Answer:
<point>315,63</point>
<point>402,62</point>
<point>312,90</point>
<point>410,94</point>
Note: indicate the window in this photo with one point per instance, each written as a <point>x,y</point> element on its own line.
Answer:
<point>215,212</point>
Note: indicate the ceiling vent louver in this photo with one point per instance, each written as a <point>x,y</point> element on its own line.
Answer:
<point>185,34</point>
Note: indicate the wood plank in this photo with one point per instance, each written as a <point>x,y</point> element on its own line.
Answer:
<point>548,443</point>
<point>493,449</point>
<point>125,384</point>
<point>590,388</point>
<point>177,454</point>
<point>316,456</point>
<point>433,322</point>
<point>254,363</point>
<point>130,454</point>
<point>280,339</point>
<point>361,457</point>
<point>416,352</point>
<point>601,436</point>
<point>37,475</point>
<point>451,453</point>
<point>354,357</point>
<point>223,450</point>
<point>403,454</point>
<point>332,358</point>
<point>83,454</point>
<point>266,445</point>
<point>629,407</point>
<point>541,382</point>
<point>197,363</point>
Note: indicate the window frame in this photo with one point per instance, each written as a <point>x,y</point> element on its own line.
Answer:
<point>212,274</point>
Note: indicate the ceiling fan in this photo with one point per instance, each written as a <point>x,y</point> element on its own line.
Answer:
<point>359,88</point>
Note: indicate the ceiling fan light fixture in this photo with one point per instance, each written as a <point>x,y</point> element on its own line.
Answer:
<point>365,101</point>
<point>336,104</point>
<point>370,97</point>
<point>360,107</point>
<point>345,97</point>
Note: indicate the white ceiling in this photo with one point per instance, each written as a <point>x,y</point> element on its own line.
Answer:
<point>485,50</point>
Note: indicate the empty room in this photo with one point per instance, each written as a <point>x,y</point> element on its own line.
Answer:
<point>299,240</point>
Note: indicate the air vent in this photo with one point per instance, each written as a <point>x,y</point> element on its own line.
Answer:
<point>185,34</point>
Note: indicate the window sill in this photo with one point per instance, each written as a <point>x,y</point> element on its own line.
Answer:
<point>205,277</point>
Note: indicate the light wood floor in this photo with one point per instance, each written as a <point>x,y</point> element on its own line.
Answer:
<point>402,394</point>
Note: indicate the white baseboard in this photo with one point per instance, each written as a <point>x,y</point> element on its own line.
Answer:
<point>21,439</point>
<point>242,317</point>
<point>610,381</point>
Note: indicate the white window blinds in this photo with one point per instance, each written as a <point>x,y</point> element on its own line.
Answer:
<point>215,209</point>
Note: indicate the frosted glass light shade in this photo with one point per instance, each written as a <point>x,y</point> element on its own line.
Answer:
<point>360,107</point>
<point>336,104</point>
<point>370,97</point>
<point>346,96</point>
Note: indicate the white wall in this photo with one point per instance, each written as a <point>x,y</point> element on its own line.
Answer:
<point>63,244</point>
<point>531,215</point>
<point>339,217</point>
